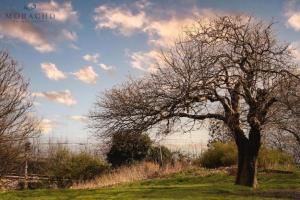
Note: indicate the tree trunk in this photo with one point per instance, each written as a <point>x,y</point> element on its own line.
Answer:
<point>247,168</point>
<point>247,159</point>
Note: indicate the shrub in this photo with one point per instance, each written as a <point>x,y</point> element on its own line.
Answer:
<point>127,148</point>
<point>65,166</point>
<point>59,163</point>
<point>155,156</point>
<point>218,155</point>
<point>225,154</point>
<point>85,167</point>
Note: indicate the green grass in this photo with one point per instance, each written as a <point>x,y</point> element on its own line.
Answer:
<point>179,186</point>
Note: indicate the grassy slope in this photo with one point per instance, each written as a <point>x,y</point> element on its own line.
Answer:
<point>180,186</point>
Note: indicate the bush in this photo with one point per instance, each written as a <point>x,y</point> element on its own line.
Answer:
<point>59,163</point>
<point>225,154</point>
<point>65,166</point>
<point>154,155</point>
<point>128,148</point>
<point>218,155</point>
<point>85,167</point>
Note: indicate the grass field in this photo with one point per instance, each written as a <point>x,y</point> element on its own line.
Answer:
<point>187,185</point>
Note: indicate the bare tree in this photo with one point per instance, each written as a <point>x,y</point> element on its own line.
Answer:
<point>288,119</point>
<point>16,122</point>
<point>284,120</point>
<point>228,70</point>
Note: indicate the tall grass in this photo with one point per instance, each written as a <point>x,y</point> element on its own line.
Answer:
<point>125,174</point>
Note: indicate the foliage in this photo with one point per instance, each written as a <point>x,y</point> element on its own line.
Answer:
<point>218,155</point>
<point>85,167</point>
<point>127,148</point>
<point>156,152</point>
<point>225,154</point>
<point>66,165</point>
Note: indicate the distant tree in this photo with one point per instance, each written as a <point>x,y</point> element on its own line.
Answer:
<point>228,69</point>
<point>127,148</point>
<point>16,121</point>
<point>160,154</point>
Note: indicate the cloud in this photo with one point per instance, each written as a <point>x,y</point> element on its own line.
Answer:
<point>87,75</point>
<point>294,21</point>
<point>111,70</point>
<point>41,37</point>
<point>26,32</point>
<point>73,46</point>
<point>105,67</point>
<point>63,12</point>
<point>78,118</point>
<point>162,27</point>
<point>47,125</point>
<point>145,61</point>
<point>64,97</point>
<point>161,31</point>
<point>293,15</point>
<point>69,35</point>
<point>122,19</point>
<point>52,72</point>
<point>91,58</point>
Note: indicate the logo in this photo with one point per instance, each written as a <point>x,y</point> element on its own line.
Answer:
<point>30,6</point>
<point>30,12</point>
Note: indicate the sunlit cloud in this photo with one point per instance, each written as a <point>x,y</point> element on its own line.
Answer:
<point>78,118</point>
<point>47,125</point>
<point>91,57</point>
<point>121,19</point>
<point>86,75</point>
<point>294,20</point>
<point>293,15</point>
<point>63,12</point>
<point>64,97</point>
<point>145,61</point>
<point>52,72</point>
<point>161,31</point>
<point>37,35</point>
<point>28,33</point>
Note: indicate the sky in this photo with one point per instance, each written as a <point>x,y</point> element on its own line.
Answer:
<point>72,51</point>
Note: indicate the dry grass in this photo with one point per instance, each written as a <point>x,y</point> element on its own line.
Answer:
<point>141,171</point>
